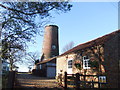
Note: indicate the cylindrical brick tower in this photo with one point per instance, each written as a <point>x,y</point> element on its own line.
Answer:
<point>50,42</point>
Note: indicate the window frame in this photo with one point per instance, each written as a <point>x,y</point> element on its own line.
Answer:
<point>70,63</point>
<point>86,64</point>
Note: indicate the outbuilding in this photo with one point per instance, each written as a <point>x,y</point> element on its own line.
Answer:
<point>47,68</point>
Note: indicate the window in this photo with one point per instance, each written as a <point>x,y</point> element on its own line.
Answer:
<point>86,64</point>
<point>4,68</point>
<point>102,79</point>
<point>53,47</point>
<point>40,67</point>
<point>70,64</point>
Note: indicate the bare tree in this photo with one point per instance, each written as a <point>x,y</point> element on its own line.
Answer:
<point>32,58</point>
<point>18,24</point>
<point>68,46</point>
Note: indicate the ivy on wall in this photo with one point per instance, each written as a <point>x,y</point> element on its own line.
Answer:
<point>95,53</point>
<point>94,64</point>
<point>78,66</point>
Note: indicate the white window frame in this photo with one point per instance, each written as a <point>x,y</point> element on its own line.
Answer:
<point>86,62</point>
<point>70,65</point>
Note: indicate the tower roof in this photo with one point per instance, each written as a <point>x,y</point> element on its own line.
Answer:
<point>51,25</point>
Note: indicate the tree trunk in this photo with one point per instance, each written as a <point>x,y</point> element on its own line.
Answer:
<point>11,65</point>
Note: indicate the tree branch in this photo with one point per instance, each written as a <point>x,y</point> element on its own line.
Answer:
<point>17,10</point>
<point>24,12</point>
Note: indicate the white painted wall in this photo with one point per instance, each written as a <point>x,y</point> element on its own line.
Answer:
<point>62,64</point>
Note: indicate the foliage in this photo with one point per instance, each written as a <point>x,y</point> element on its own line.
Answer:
<point>94,64</point>
<point>31,58</point>
<point>19,24</point>
<point>78,65</point>
<point>20,18</point>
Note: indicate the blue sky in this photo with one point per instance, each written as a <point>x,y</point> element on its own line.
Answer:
<point>86,21</point>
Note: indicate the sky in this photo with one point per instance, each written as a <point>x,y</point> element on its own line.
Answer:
<point>86,21</point>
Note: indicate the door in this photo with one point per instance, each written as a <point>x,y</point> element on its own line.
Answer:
<point>51,72</point>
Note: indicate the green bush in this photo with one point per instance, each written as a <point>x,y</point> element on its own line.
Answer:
<point>78,65</point>
<point>94,64</point>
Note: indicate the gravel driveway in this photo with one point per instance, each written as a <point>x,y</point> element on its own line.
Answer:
<point>26,80</point>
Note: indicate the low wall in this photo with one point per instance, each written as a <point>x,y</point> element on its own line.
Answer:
<point>40,72</point>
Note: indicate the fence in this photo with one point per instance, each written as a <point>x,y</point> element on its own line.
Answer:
<point>82,81</point>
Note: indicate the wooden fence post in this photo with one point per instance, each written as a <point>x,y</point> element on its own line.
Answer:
<point>98,82</point>
<point>65,80</point>
<point>77,79</point>
<point>92,84</point>
<point>84,77</point>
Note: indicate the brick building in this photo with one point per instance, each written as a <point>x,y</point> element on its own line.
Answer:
<point>97,57</point>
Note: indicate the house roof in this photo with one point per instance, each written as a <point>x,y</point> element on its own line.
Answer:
<point>45,61</point>
<point>98,41</point>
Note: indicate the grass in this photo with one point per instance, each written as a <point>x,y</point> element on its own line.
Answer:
<point>24,73</point>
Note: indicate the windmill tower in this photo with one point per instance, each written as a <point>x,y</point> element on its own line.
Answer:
<point>50,42</point>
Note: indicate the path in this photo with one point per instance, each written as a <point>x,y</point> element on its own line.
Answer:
<point>29,81</point>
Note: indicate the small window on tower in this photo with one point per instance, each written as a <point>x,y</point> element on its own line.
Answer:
<point>53,47</point>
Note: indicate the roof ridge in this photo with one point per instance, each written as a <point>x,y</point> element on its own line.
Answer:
<point>94,41</point>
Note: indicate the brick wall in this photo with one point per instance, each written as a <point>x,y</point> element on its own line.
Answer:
<point>50,39</point>
<point>111,63</point>
<point>62,62</point>
<point>108,57</point>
